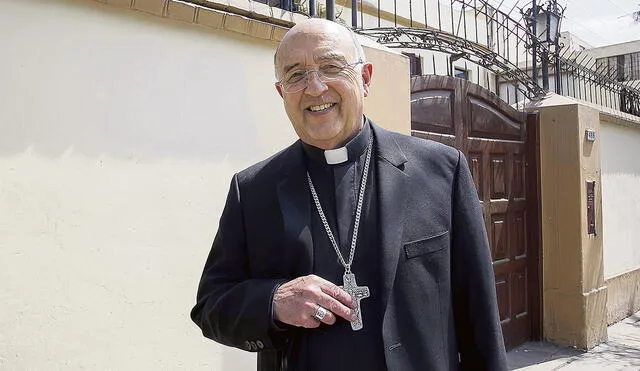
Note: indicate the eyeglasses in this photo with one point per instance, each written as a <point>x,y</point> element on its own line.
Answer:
<point>298,79</point>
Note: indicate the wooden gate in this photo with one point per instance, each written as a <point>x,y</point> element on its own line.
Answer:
<point>500,144</point>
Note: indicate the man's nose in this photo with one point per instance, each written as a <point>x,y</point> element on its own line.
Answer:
<point>315,86</point>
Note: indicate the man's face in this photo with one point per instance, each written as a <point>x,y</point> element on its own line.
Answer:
<point>324,114</point>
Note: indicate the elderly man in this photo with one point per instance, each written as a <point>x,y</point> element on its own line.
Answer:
<point>355,247</point>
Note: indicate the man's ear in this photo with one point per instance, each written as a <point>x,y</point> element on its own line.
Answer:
<point>279,89</point>
<point>367,72</point>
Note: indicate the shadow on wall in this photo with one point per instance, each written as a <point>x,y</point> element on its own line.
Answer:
<point>104,80</point>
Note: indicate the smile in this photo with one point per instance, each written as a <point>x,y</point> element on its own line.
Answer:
<point>321,107</point>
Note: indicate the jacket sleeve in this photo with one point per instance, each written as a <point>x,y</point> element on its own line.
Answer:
<point>477,322</point>
<point>231,307</point>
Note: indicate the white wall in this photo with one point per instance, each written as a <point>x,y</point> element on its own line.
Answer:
<point>620,151</point>
<point>572,42</point>
<point>119,133</point>
<point>615,49</point>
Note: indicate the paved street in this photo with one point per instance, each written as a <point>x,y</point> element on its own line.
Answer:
<point>621,352</point>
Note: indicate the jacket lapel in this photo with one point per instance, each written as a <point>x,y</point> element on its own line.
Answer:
<point>392,185</point>
<point>295,207</point>
<point>293,197</point>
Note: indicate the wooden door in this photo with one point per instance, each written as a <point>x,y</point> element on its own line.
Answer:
<point>501,148</point>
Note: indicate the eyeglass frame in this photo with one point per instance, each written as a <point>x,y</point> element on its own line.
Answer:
<point>319,74</point>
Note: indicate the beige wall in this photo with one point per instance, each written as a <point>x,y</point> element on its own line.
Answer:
<point>389,103</point>
<point>119,134</point>
<point>574,294</point>
<point>588,281</point>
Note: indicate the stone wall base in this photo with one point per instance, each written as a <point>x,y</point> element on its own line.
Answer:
<point>624,296</point>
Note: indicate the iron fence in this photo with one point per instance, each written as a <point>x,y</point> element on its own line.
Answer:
<point>499,49</point>
<point>583,78</point>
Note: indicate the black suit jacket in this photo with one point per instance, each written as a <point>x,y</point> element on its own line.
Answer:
<point>437,281</point>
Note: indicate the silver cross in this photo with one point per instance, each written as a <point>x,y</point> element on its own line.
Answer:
<point>357,293</point>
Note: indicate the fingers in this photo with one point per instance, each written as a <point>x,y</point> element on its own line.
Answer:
<point>336,307</point>
<point>337,293</point>
<point>296,302</point>
<point>310,320</point>
<point>329,318</point>
<point>336,300</point>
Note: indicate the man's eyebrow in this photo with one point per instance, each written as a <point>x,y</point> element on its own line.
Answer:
<point>331,57</point>
<point>290,67</point>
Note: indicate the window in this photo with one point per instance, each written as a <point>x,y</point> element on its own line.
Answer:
<point>624,67</point>
<point>634,66</point>
<point>461,73</point>
<point>415,64</point>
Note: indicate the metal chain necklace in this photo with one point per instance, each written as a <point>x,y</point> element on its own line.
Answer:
<point>349,279</point>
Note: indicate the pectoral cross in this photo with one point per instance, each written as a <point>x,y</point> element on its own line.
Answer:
<point>357,293</point>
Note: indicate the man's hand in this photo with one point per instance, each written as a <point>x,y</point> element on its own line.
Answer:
<point>296,302</point>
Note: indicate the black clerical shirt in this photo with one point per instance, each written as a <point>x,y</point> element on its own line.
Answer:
<point>338,347</point>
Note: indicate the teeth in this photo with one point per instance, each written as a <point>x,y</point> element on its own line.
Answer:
<point>320,107</point>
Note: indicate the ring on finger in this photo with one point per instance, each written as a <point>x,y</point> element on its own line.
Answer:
<point>320,313</point>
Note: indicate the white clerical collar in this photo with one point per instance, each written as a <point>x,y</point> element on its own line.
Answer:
<point>336,156</point>
<point>349,152</point>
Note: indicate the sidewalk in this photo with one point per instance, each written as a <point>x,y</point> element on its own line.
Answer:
<point>621,352</point>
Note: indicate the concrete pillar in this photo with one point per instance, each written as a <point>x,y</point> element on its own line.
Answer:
<point>574,294</point>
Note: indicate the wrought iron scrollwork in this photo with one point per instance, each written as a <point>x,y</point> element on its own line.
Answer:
<point>495,41</point>
<point>451,44</point>
<point>492,53</point>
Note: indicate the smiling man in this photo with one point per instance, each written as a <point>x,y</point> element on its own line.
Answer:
<point>324,105</point>
<point>355,247</point>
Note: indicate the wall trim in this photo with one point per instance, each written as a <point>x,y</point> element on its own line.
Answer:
<point>624,295</point>
<point>620,118</point>
<point>241,16</point>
